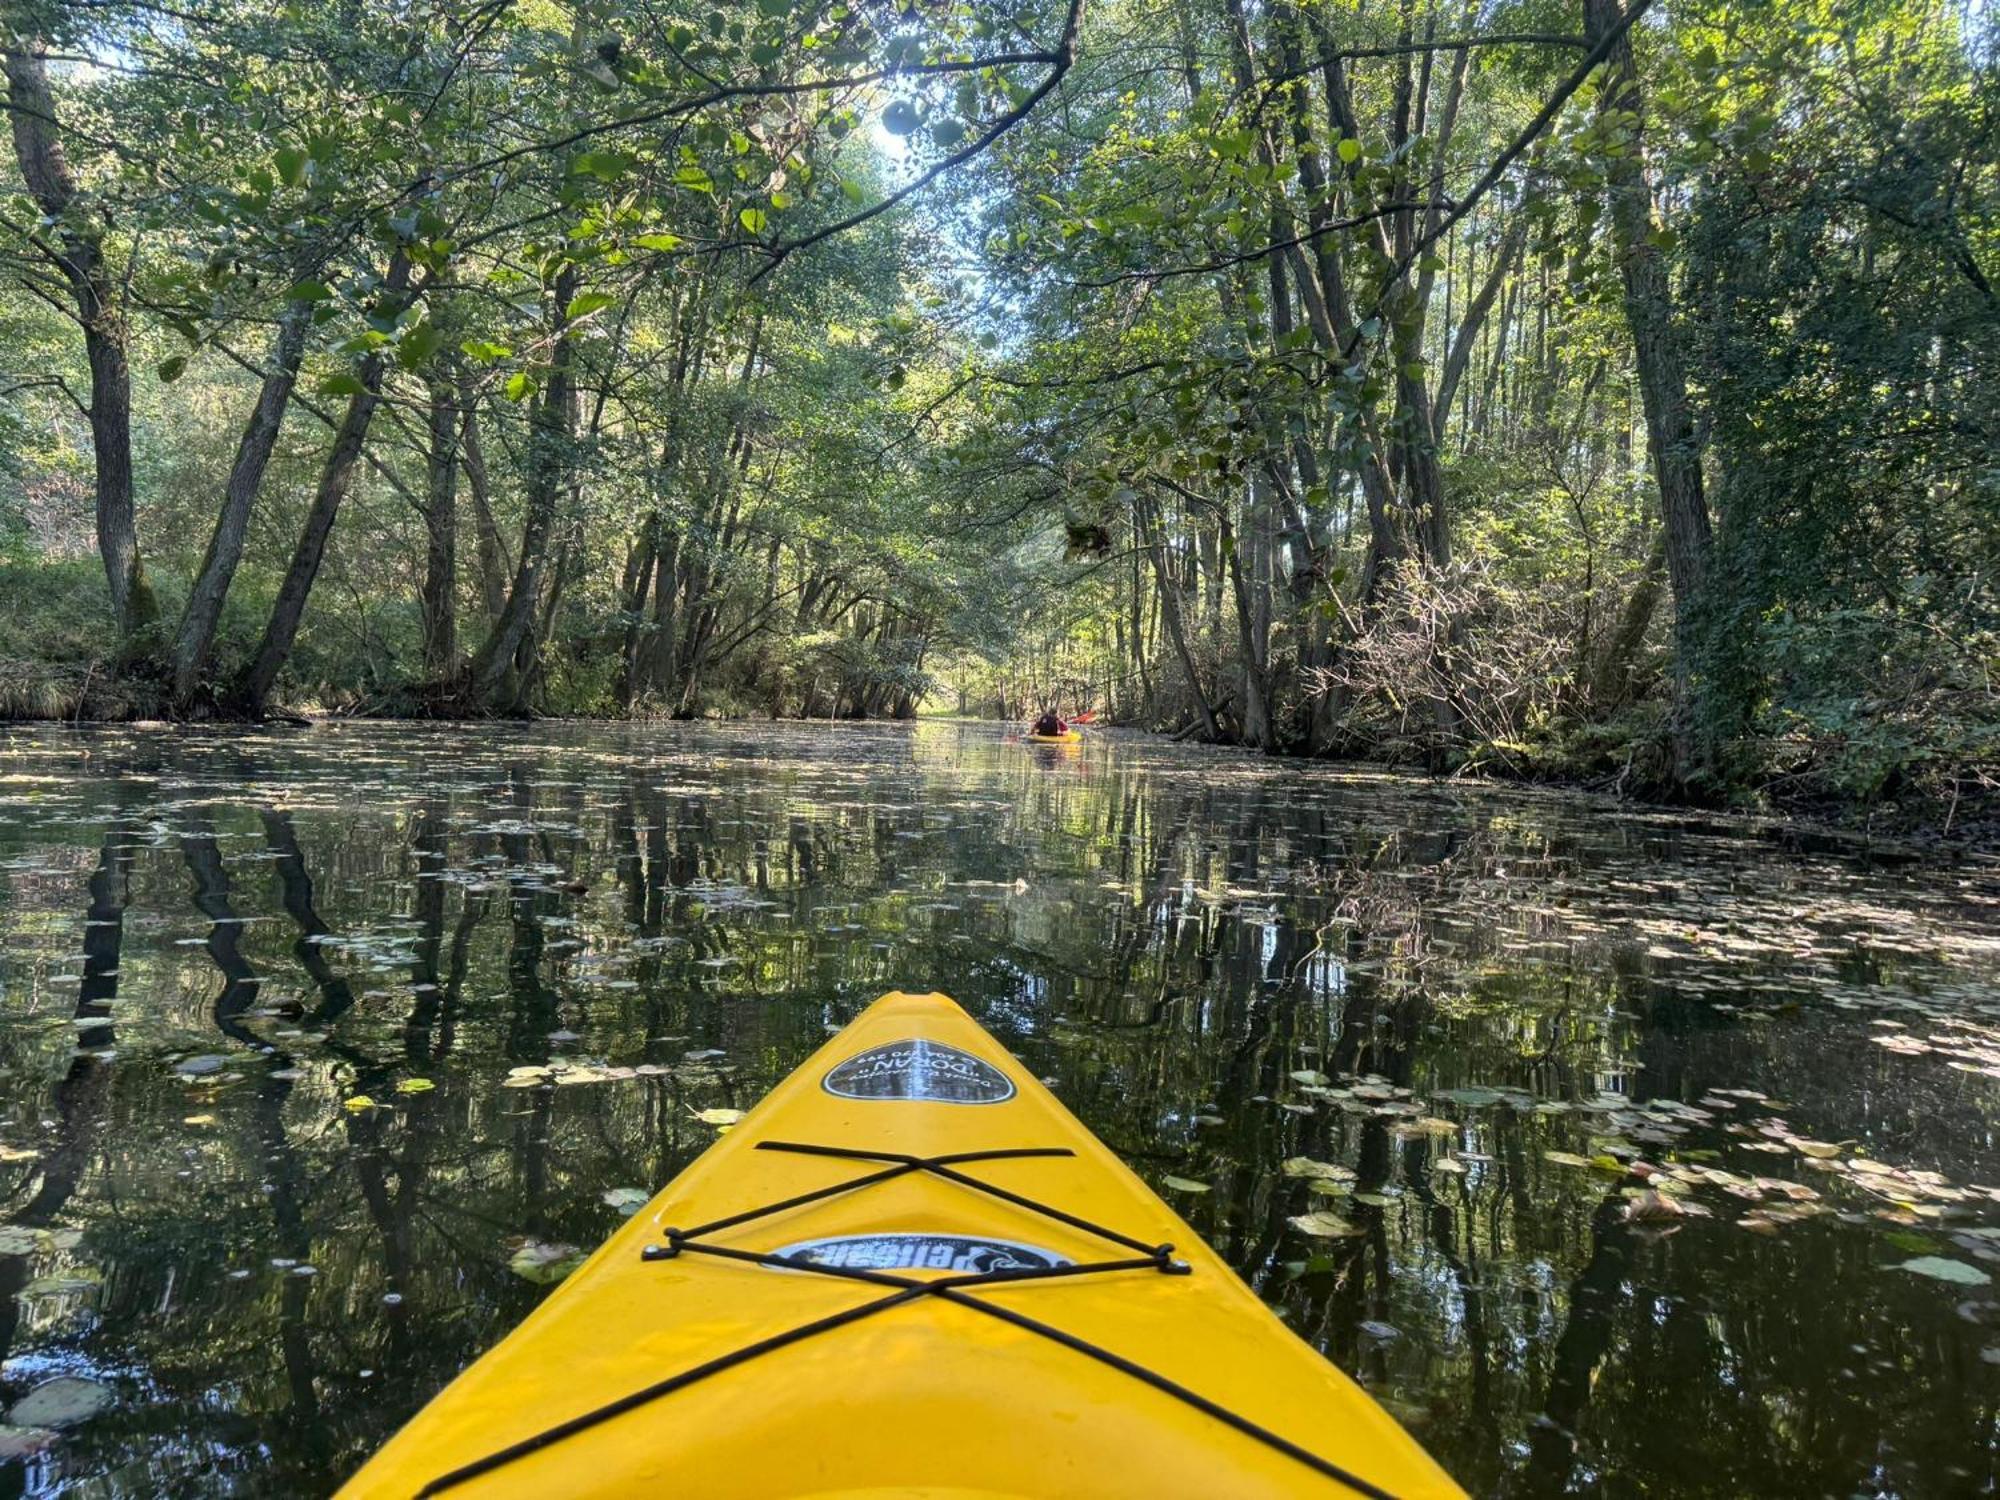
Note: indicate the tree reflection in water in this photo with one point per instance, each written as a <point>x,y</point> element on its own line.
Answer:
<point>1223,965</point>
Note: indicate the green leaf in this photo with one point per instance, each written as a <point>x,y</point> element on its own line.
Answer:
<point>658,242</point>
<point>1349,150</point>
<point>1322,1224</point>
<point>346,383</point>
<point>519,386</point>
<point>605,166</point>
<point>418,343</point>
<point>172,368</point>
<point>1941,1268</point>
<point>585,303</point>
<point>291,164</point>
<point>947,133</point>
<point>695,180</point>
<point>309,291</point>
<point>900,117</point>
<point>485,351</point>
<point>753,220</point>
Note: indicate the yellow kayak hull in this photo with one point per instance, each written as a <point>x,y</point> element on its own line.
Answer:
<point>1071,738</point>
<point>928,1397</point>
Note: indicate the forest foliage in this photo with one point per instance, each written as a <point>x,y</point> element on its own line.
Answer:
<point>1536,386</point>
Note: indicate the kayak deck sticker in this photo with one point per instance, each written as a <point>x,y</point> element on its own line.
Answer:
<point>919,1069</point>
<point>923,1252</point>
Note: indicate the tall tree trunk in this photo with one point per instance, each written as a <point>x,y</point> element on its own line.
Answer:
<point>550,440</point>
<point>493,562</point>
<point>1170,612</point>
<point>246,477</point>
<point>440,599</point>
<point>1256,685</point>
<point>79,256</point>
<point>335,478</point>
<point>1649,310</point>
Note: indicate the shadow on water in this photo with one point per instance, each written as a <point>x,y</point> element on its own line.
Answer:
<point>1614,1153</point>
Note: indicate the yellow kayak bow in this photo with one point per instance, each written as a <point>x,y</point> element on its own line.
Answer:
<point>908,1272</point>
<point>1068,737</point>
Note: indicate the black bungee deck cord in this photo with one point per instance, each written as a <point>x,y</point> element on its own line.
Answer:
<point>905,1290</point>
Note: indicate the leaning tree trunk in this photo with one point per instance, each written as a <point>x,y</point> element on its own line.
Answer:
<point>549,457</point>
<point>189,658</point>
<point>79,256</point>
<point>335,479</point>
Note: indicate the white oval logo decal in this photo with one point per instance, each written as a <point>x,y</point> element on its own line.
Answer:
<point>919,1069</point>
<point>962,1253</point>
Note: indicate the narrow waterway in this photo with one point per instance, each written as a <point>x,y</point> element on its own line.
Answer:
<point>1615,1152</point>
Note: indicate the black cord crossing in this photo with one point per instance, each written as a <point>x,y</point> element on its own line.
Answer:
<point>905,1290</point>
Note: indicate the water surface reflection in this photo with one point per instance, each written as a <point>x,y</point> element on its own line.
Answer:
<point>1395,1047</point>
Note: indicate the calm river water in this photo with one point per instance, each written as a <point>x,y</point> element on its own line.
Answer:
<point>1634,1154</point>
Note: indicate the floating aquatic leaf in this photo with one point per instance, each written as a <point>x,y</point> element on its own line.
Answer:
<point>1943,1268</point>
<point>25,1239</point>
<point>78,1279</point>
<point>627,1200</point>
<point>415,1086</point>
<point>1647,1206</point>
<point>1325,1171</point>
<point>718,1116</point>
<point>1566,1158</point>
<point>359,1102</point>
<point>1382,1331</point>
<point>24,1442</point>
<point>202,1066</point>
<point>1323,1225</point>
<point>544,1262</point>
<point>1310,1077</point>
<point>1185,1184</point>
<point>1819,1150</point>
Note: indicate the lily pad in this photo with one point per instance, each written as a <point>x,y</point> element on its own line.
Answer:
<point>25,1239</point>
<point>1943,1268</point>
<point>627,1200</point>
<point>1185,1184</point>
<point>202,1066</point>
<point>1324,1225</point>
<point>23,1442</point>
<point>79,1279</point>
<point>415,1086</point>
<point>544,1262</point>
<point>1326,1171</point>
<point>723,1117</point>
<point>65,1401</point>
<point>1311,1077</point>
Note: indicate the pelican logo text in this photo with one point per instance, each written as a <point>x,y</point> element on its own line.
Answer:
<point>963,1254</point>
<point>919,1069</point>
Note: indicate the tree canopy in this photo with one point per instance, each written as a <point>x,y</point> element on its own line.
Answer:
<point>1553,388</point>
